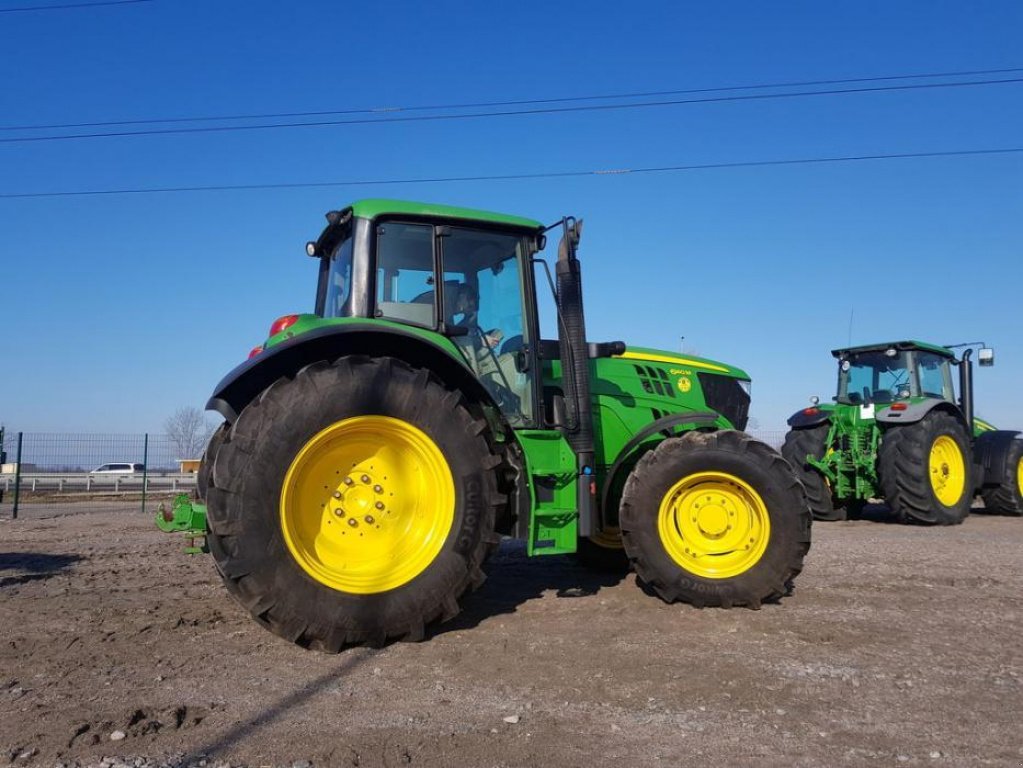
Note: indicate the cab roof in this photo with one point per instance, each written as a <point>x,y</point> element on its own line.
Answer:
<point>374,207</point>
<point>900,345</point>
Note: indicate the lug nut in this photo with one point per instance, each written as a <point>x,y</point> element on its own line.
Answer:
<point>348,481</point>
<point>337,494</point>
<point>379,505</point>
<point>365,478</point>
<point>352,522</point>
<point>339,512</point>
<point>368,519</point>
<point>378,488</point>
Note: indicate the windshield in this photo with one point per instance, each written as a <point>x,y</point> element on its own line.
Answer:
<point>884,376</point>
<point>339,281</point>
<point>874,377</point>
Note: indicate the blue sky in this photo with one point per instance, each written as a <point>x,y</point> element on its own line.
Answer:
<point>119,309</point>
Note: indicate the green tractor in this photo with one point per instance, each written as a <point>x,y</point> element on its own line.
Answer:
<point>896,431</point>
<point>375,451</point>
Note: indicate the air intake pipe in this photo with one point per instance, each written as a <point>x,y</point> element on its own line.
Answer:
<point>575,372</point>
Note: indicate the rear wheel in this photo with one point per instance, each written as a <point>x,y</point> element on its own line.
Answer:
<point>202,478</point>
<point>925,470</point>
<point>353,504</point>
<point>800,443</point>
<point>715,519</point>
<point>1007,497</point>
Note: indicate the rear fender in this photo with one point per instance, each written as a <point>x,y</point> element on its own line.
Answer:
<point>989,455</point>
<point>916,411</point>
<point>242,385</point>
<point>808,417</point>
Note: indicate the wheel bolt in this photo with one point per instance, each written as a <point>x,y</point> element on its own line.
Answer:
<point>348,481</point>
<point>353,522</point>
<point>337,494</point>
<point>339,512</point>
<point>379,505</point>
<point>378,488</point>
<point>365,478</point>
<point>368,519</point>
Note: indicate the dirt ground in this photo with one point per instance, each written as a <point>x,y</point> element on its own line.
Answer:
<point>900,646</point>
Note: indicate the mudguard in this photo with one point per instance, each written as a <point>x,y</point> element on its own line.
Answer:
<point>246,381</point>
<point>989,455</point>
<point>915,412</point>
<point>808,417</point>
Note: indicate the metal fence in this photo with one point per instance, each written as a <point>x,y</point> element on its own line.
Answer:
<point>44,475</point>
<point>48,475</point>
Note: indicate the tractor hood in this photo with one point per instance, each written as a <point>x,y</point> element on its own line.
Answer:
<point>682,361</point>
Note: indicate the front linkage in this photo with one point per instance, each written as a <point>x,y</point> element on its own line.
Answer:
<point>187,517</point>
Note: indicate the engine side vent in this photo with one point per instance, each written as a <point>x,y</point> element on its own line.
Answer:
<point>726,396</point>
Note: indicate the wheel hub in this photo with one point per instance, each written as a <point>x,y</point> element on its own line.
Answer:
<point>714,525</point>
<point>367,504</point>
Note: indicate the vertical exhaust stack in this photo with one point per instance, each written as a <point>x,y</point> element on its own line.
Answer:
<point>966,388</point>
<point>575,371</point>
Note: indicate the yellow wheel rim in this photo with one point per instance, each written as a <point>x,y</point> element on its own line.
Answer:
<point>367,504</point>
<point>1019,476</point>
<point>608,538</point>
<point>714,525</point>
<point>948,470</point>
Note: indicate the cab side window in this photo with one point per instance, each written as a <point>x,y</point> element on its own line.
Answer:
<point>405,283</point>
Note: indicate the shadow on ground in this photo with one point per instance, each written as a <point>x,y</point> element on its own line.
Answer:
<point>32,566</point>
<point>514,578</point>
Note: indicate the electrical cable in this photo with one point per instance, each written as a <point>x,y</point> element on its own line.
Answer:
<point>521,176</point>
<point>507,113</point>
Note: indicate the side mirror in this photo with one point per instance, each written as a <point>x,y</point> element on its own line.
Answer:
<point>986,356</point>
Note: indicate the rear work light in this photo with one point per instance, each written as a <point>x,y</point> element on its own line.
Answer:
<point>282,323</point>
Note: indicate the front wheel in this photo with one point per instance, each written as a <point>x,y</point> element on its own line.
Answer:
<point>715,519</point>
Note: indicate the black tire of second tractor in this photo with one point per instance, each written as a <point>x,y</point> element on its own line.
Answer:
<point>754,462</point>
<point>810,441</point>
<point>1007,497</point>
<point>245,485</point>
<point>904,469</point>
<point>202,478</point>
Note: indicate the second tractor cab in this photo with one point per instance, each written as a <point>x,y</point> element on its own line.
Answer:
<point>375,450</point>
<point>899,431</point>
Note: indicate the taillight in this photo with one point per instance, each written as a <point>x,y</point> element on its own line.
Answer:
<point>282,323</point>
<point>899,406</point>
<point>811,411</point>
<point>255,351</point>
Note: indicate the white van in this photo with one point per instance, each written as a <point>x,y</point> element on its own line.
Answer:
<point>124,468</point>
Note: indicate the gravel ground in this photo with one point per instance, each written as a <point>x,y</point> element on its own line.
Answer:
<point>900,646</point>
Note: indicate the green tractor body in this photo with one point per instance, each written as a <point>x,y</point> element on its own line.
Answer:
<point>898,431</point>
<point>375,450</point>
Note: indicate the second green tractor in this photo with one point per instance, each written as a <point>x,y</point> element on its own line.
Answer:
<point>897,431</point>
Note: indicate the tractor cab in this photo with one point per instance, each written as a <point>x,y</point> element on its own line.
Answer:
<point>889,373</point>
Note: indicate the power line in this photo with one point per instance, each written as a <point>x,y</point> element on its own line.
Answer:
<point>508,113</point>
<point>65,6</point>
<point>523,176</point>
<point>516,103</point>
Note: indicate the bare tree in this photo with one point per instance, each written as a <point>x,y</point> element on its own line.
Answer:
<point>189,429</point>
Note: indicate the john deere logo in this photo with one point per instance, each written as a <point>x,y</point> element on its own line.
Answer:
<point>684,384</point>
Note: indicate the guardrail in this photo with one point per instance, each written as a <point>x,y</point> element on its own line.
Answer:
<point>61,482</point>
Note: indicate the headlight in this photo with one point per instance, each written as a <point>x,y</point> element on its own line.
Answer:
<point>747,386</point>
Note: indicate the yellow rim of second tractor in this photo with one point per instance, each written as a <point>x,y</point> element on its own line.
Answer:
<point>947,470</point>
<point>1019,475</point>
<point>367,504</point>
<point>714,525</point>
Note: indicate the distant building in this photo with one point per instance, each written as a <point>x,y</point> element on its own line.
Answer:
<point>189,466</point>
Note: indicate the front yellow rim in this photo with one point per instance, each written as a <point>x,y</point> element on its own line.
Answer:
<point>1019,476</point>
<point>367,504</point>
<point>948,470</point>
<point>714,525</point>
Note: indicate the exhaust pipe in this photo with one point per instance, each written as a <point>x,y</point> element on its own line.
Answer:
<point>575,372</point>
<point>966,389</point>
